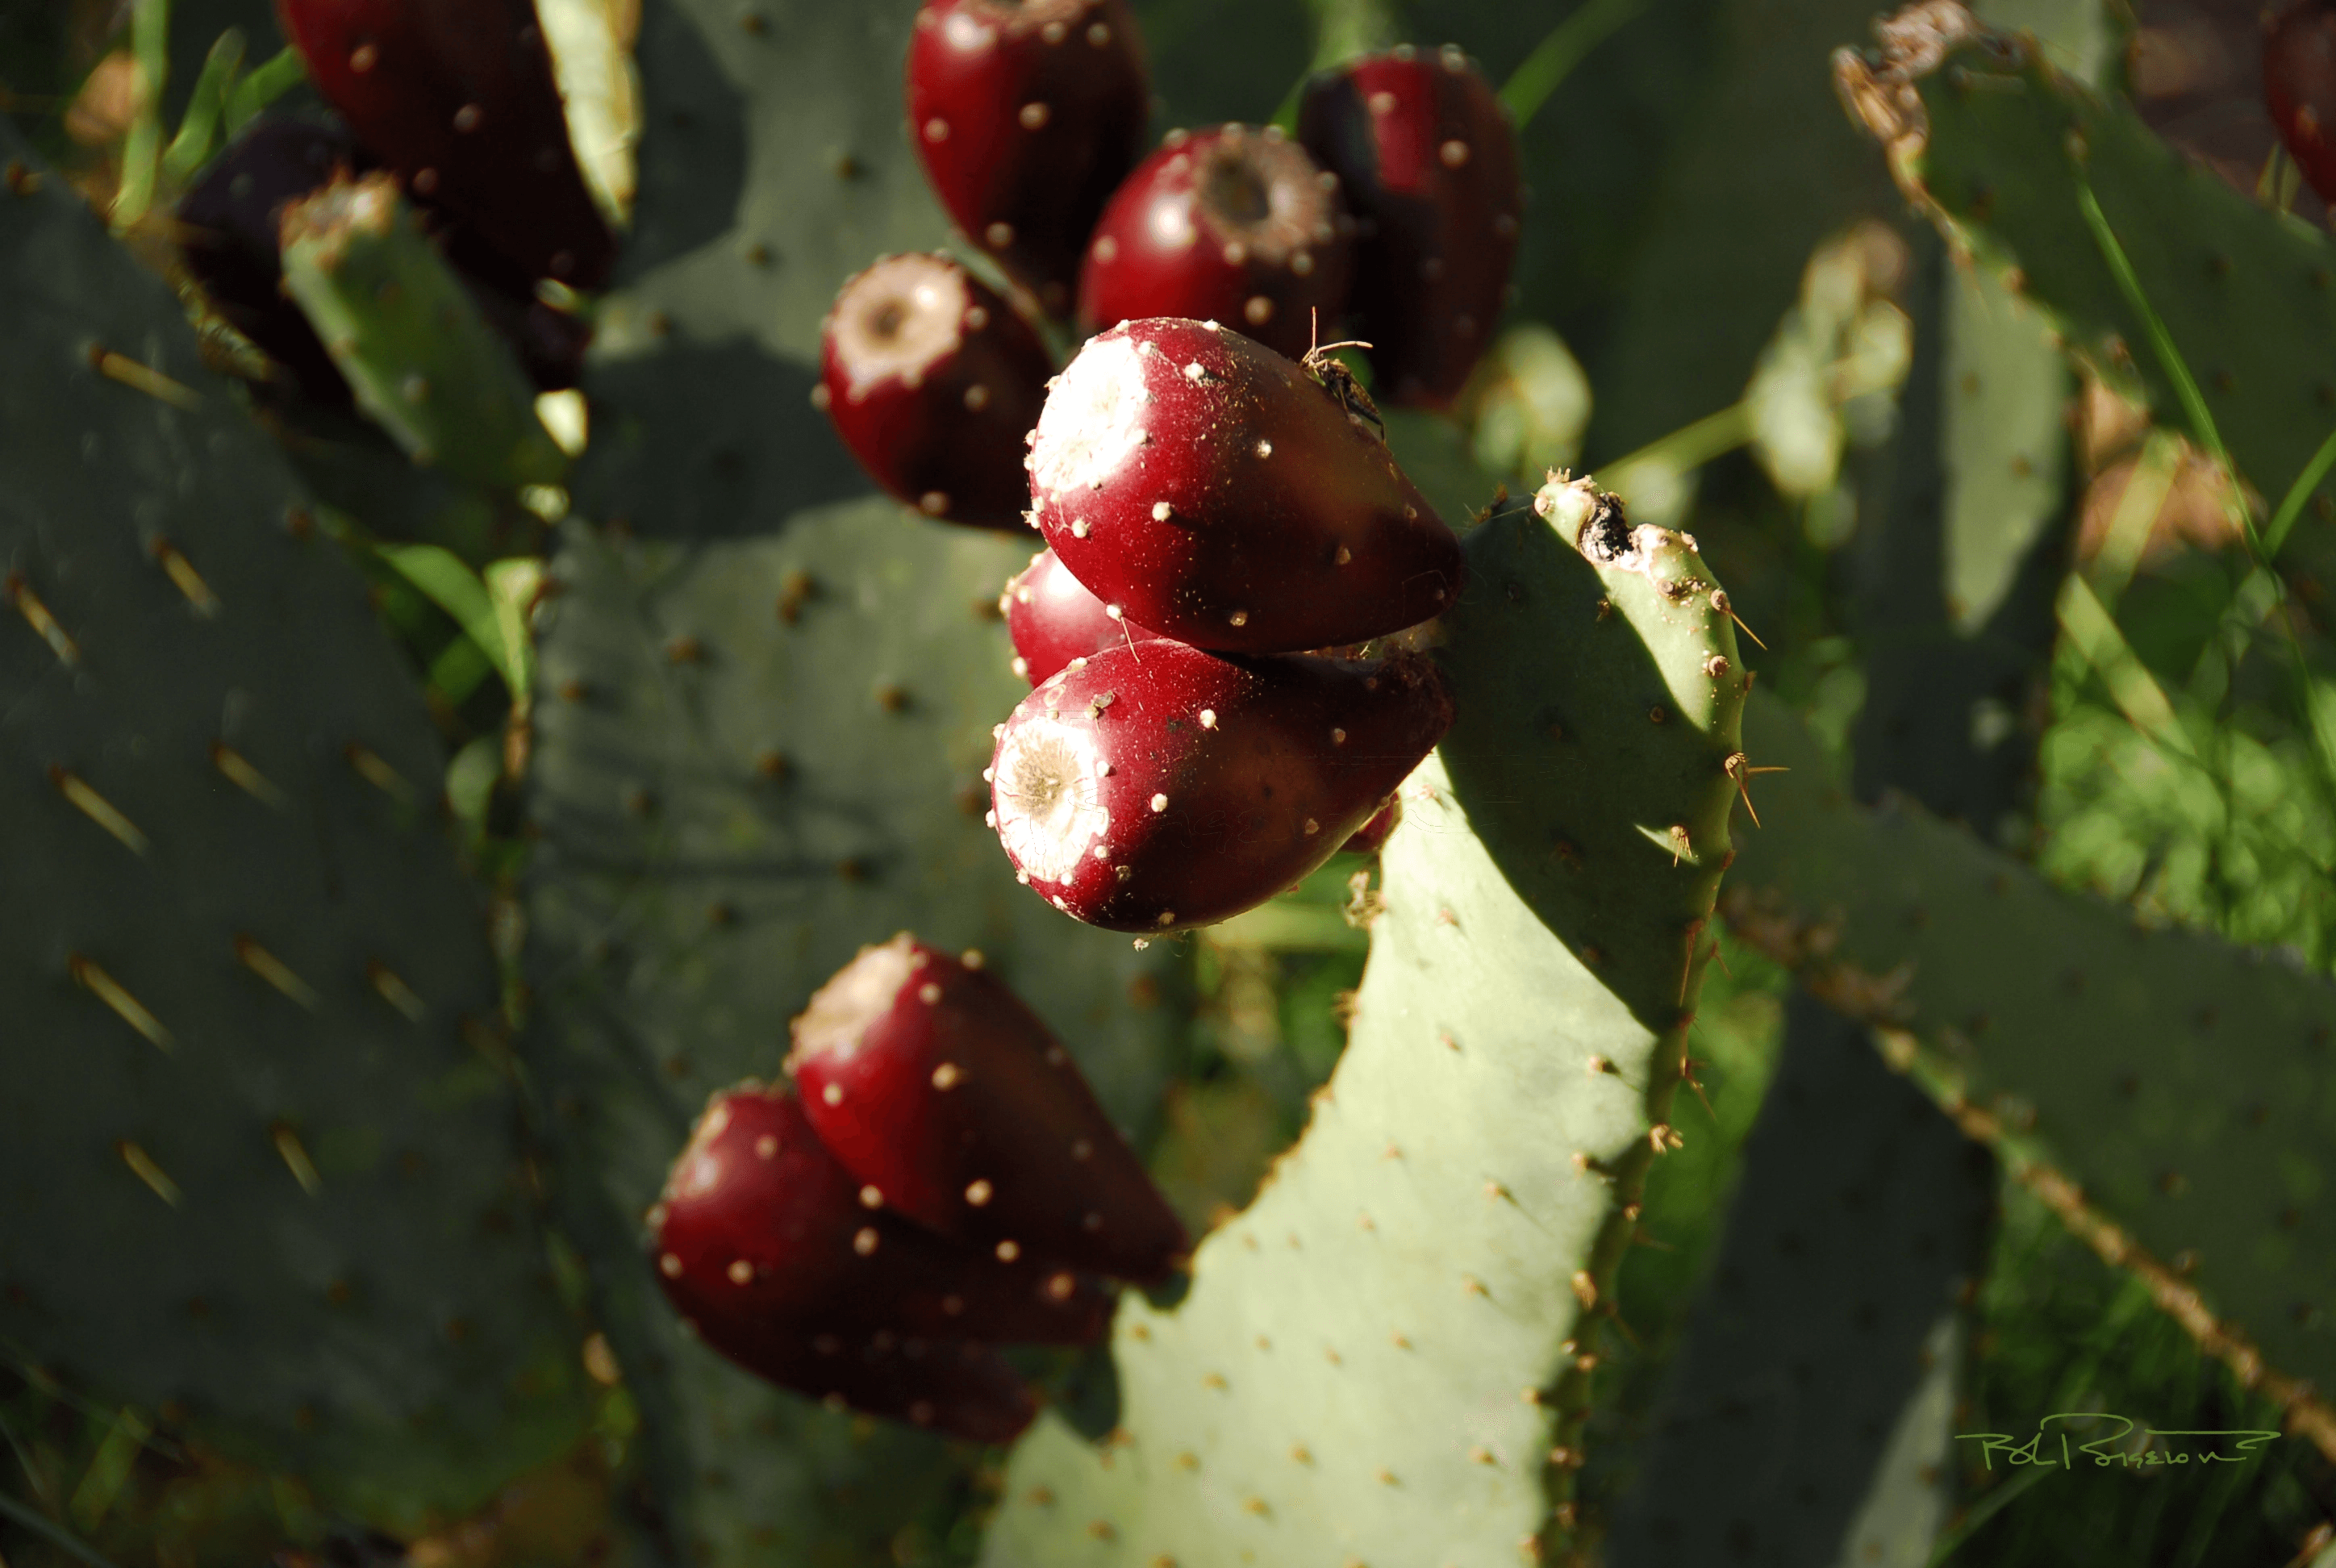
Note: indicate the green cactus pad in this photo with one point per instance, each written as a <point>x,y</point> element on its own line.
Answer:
<point>1992,141</point>
<point>754,757</point>
<point>258,1148</point>
<point>1376,1361</point>
<point>2183,1083</point>
<point>423,362</point>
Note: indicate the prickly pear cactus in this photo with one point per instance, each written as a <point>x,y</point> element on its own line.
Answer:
<point>1387,1356</point>
<point>1993,142</point>
<point>2179,1082</point>
<point>767,703</point>
<point>257,1138</point>
<point>423,361</point>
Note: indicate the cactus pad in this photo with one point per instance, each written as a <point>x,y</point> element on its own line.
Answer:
<point>1379,1358</point>
<point>2183,1083</point>
<point>255,1132</point>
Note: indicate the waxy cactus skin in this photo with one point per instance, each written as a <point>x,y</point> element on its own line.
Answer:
<point>1231,224</point>
<point>1213,491</point>
<point>933,380</point>
<point>1428,159</point>
<point>965,1390</point>
<point>1161,788</point>
<point>1053,619</point>
<point>934,1084</point>
<point>1027,117</point>
<point>759,1225</point>
<point>458,97</point>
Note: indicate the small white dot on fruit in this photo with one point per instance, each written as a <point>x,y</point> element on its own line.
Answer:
<point>1160,510</point>
<point>978,1194</point>
<point>947,1075</point>
<point>832,1093</point>
<point>1345,555</point>
<point>1078,528</point>
<point>871,1197</point>
<point>1265,449</point>
<point>928,993</point>
<point>1337,737</point>
<point>865,1239</point>
<point>1160,803</point>
<point>1240,618</point>
<point>1208,718</point>
<point>1313,827</point>
<point>1008,1251</point>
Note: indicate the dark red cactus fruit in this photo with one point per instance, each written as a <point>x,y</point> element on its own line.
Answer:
<point>1427,157</point>
<point>227,233</point>
<point>2300,87</point>
<point>944,1386</point>
<point>1372,836</point>
<point>759,1224</point>
<point>1054,619</point>
<point>933,381</point>
<point>1028,116</point>
<point>1213,491</point>
<point>458,97</point>
<point>1161,788</point>
<point>1233,225</point>
<point>932,1082</point>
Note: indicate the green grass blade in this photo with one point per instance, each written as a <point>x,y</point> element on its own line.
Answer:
<point>2161,342</point>
<point>455,589</point>
<point>1569,43</point>
<point>199,131</point>
<point>262,85</point>
<point>2276,533</point>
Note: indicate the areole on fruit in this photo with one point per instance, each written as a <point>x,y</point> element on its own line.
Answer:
<point>1232,224</point>
<point>933,381</point>
<point>1202,485</point>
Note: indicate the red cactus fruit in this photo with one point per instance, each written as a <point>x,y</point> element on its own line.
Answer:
<point>1028,116</point>
<point>945,1385</point>
<point>1161,788</point>
<point>1233,225</point>
<point>933,1082</point>
<point>1211,489</point>
<point>1054,619</point>
<point>933,381</point>
<point>458,97</point>
<point>2300,87</point>
<point>1428,156</point>
<point>759,1225</point>
<point>1372,836</point>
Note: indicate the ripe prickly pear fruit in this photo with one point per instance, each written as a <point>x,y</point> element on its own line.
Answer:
<point>1233,225</point>
<point>1052,620</point>
<point>1427,157</point>
<point>946,1385</point>
<point>2300,87</point>
<point>1028,116</point>
<point>1215,491</point>
<point>1372,836</point>
<point>932,1082</point>
<point>458,97</point>
<point>933,380</point>
<point>759,1225</point>
<point>1161,788</point>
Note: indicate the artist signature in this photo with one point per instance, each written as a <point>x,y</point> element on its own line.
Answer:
<point>2053,1446</point>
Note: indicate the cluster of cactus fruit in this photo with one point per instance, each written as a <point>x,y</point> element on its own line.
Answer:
<point>1248,635</point>
<point>1227,530</point>
<point>937,1179</point>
